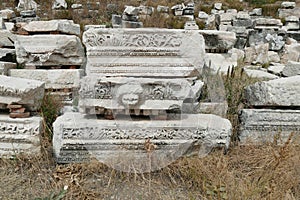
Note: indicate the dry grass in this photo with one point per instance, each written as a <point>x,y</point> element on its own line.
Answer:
<point>249,172</point>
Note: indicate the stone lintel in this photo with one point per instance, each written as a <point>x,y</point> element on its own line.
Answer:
<point>261,126</point>
<point>79,137</point>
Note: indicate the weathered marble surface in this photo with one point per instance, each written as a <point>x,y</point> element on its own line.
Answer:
<point>144,52</point>
<point>59,4</point>
<point>264,125</point>
<point>282,13</point>
<point>267,23</point>
<point>5,66</point>
<point>291,69</point>
<point>121,143</point>
<point>53,79</point>
<point>7,55</point>
<point>27,5</point>
<point>218,40</point>
<point>49,50</point>
<point>7,14</point>
<point>20,135</point>
<point>21,91</point>
<point>278,92</point>
<point>7,39</point>
<point>62,26</point>
<point>260,74</point>
<point>118,93</point>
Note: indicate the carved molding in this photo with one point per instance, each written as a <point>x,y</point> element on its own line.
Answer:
<point>93,39</point>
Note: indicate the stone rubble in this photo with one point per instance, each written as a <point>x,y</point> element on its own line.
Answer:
<point>118,78</point>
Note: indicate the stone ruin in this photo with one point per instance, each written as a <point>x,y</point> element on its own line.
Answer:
<point>133,100</point>
<point>20,133</point>
<point>138,101</point>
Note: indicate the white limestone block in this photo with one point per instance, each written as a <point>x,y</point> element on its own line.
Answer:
<point>62,26</point>
<point>220,40</point>
<point>276,68</point>
<point>257,54</point>
<point>273,57</point>
<point>5,66</point>
<point>291,69</point>
<point>144,52</point>
<point>261,126</point>
<point>220,62</point>
<point>7,39</point>
<point>7,54</point>
<point>277,92</point>
<point>59,4</point>
<point>20,135</point>
<point>288,4</point>
<point>7,14</point>
<point>27,92</point>
<point>291,53</point>
<point>121,143</point>
<point>119,93</point>
<point>53,79</point>
<point>49,50</point>
<point>27,5</point>
<point>218,6</point>
<point>260,74</point>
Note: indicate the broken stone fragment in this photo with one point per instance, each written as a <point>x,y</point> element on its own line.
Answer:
<point>7,39</point>
<point>275,93</point>
<point>291,69</point>
<point>138,93</point>
<point>20,135</point>
<point>49,50</point>
<point>131,10</point>
<point>53,79</point>
<point>257,54</point>
<point>7,55</point>
<point>7,14</point>
<point>60,4</point>
<point>218,40</point>
<point>259,126</point>
<point>27,5</point>
<point>61,26</point>
<point>259,74</point>
<point>28,13</point>
<point>121,143</point>
<point>5,66</point>
<point>288,5</point>
<point>26,92</point>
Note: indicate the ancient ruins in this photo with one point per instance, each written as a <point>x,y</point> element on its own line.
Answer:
<point>139,98</point>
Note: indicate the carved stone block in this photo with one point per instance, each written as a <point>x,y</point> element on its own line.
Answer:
<point>144,52</point>
<point>122,144</point>
<point>20,135</point>
<point>275,93</point>
<point>21,91</point>
<point>49,50</point>
<point>118,93</point>
<point>265,125</point>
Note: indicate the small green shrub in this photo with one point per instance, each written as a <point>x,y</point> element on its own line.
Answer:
<point>235,82</point>
<point>50,109</point>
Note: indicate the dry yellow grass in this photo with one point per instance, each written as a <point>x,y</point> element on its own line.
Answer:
<point>249,172</point>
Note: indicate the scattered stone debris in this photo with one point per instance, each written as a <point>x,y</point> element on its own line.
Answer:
<point>155,74</point>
